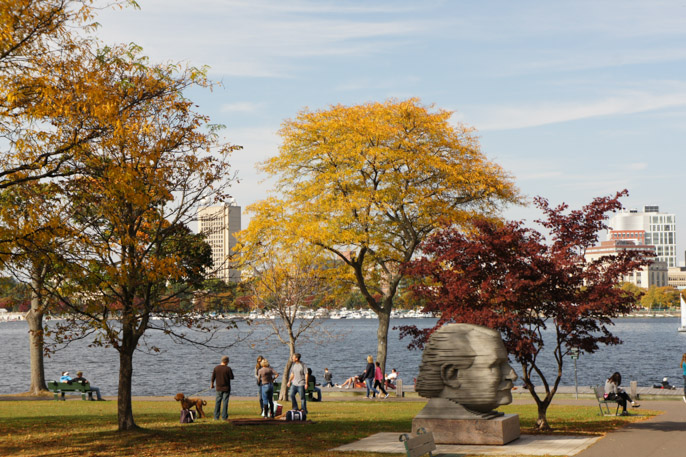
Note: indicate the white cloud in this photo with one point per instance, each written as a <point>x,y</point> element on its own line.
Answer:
<point>637,166</point>
<point>262,38</point>
<point>505,117</point>
<point>240,107</point>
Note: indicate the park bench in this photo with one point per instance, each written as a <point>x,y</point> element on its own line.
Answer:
<point>61,388</point>
<point>600,396</point>
<point>309,391</point>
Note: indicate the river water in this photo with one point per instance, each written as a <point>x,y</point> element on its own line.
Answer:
<point>652,349</point>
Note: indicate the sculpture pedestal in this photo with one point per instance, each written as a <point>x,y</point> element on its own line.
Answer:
<point>500,430</point>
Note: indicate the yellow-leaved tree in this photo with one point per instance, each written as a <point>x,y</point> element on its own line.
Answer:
<point>134,256</point>
<point>368,183</point>
<point>285,277</point>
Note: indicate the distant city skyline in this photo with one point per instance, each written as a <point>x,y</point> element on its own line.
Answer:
<point>575,99</point>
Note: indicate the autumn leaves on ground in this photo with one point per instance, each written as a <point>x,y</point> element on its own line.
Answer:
<point>78,428</point>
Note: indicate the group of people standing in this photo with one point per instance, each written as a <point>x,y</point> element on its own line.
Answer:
<point>265,376</point>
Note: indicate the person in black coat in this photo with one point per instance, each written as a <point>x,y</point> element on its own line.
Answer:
<point>368,376</point>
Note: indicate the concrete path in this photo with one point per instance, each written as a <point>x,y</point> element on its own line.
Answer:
<point>660,436</point>
<point>524,445</point>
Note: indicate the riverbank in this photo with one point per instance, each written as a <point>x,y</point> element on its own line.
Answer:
<point>409,395</point>
<point>16,316</point>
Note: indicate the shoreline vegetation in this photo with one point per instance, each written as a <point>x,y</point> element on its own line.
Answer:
<point>355,314</point>
<point>90,428</point>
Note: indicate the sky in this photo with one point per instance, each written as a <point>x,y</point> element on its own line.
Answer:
<point>574,99</point>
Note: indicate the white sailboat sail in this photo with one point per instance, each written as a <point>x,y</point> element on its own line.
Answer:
<point>682,328</point>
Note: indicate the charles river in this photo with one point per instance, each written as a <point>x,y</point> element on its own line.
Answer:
<point>651,350</point>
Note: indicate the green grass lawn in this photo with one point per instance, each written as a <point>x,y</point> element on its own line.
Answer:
<point>79,428</point>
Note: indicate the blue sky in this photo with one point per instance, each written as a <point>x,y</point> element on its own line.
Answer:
<point>575,99</point>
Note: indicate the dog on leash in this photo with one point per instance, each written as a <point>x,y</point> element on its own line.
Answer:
<point>188,403</point>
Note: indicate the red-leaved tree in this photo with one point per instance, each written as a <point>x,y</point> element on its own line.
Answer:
<point>511,278</point>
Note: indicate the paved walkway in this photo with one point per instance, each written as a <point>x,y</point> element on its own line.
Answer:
<point>524,445</point>
<point>660,436</point>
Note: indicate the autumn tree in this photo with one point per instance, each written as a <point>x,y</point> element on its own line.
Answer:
<point>130,205</point>
<point>41,80</point>
<point>284,278</point>
<point>660,297</point>
<point>369,182</point>
<point>511,278</point>
<point>36,216</point>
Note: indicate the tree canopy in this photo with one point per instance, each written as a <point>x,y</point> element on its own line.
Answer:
<point>509,277</point>
<point>369,182</point>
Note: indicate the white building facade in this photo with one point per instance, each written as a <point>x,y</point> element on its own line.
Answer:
<point>654,274</point>
<point>648,227</point>
<point>220,223</point>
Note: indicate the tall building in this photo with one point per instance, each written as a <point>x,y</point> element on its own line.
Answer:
<point>654,274</point>
<point>649,227</point>
<point>220,223</point>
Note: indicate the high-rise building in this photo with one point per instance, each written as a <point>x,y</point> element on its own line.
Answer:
<point>649,227</point>
<point>220,223</point>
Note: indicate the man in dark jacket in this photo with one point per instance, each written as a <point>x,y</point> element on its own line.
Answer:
<point>222,375</point>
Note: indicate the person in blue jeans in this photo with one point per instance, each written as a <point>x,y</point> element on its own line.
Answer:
<point>368,376</point>
<point>298,383</point>
<point>267,375</point>
<point>223,375</point>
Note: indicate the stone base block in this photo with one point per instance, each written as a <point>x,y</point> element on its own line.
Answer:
<point>500,430</point>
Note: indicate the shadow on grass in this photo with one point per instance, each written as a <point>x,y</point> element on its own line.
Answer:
<point>164,437</point>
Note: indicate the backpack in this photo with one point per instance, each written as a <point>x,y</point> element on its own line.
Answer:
<point>296,415</point>
<point>187,416</point>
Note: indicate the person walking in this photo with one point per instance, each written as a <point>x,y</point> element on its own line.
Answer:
<point>683,371</point>
<point>368,376</point>
<point>298,382</point>
<point>379,380</point>
<point>222,375</point>
<point>267,375</point>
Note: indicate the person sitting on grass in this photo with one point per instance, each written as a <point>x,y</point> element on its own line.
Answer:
<point>614,392</point>
<point>83,381</point>
<point>350,382</point>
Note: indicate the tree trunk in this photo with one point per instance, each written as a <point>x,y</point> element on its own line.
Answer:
<point>542,421</point>
<point>35,320</point>
<point>283,395</point>
<point>382,337</point>
<point>124,409</point>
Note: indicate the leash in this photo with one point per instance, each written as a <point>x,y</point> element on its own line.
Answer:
<point>198,393</point>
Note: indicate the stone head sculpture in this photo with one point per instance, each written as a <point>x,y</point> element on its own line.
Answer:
<point>466,364</point>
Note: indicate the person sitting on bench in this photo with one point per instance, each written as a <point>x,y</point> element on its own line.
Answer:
<point>614,392</point>
<point>391,379</point>
<point>83,381</point>
<point>317,394</point>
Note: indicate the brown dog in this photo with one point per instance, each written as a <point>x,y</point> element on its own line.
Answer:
<point>188,403</point>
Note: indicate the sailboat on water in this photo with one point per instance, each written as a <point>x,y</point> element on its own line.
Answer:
<point>682,327</point>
